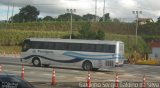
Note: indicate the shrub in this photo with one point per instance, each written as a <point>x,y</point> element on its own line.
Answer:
<point>148,62</point>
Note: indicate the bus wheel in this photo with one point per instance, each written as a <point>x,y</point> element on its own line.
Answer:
<point>36,62</point>
<point>87,66</point>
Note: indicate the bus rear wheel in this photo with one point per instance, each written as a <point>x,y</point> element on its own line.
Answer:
<point>36,62</point>
<point>87,66</point>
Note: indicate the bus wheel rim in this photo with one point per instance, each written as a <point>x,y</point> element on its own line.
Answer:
<point>87,67</point>
<point>36,62</point>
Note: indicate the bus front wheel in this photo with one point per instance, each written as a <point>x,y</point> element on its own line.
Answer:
<point>87,66</point>
<point>36,62</point>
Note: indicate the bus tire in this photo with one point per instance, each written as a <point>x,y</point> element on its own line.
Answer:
<point>87,66</point>
<point>36,62</point>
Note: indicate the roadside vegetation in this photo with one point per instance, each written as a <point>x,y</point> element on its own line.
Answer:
<point>148,62</point>
<point>10,50</point>
<point>15,37</point>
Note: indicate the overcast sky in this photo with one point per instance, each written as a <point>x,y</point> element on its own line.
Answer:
<point>116,8</point>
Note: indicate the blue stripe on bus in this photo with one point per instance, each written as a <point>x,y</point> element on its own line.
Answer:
<point>62,61</point>
<point>92,57</point>
<point>79,54</point>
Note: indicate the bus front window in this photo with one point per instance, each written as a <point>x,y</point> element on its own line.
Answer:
<point>25,46</point>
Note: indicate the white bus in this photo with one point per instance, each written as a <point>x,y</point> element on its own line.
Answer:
<point>88,54</point>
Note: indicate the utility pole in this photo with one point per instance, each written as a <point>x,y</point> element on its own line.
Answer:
<point>104,11</point>
<point>71,11</point>
<point>137,16</point>
<point>12,11</point>
<point>7,15</point>
<point>8,12</point>
<point>95,10</point>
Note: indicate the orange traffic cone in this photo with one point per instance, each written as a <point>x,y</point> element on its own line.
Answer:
<point>22,73</point>
<point>0,67</point>
<point>144,82</point>
<point>116,82</point>
<point>53,77</point>
<point>89,80</point>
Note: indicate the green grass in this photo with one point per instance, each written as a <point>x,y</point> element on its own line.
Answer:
<point>16,37</point>
<point>109,27</point>
<point>129,41</point>
<point>11,40</point>
<point>13,34</point>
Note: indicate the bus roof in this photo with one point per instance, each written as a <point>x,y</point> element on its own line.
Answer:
<point>74,40</point>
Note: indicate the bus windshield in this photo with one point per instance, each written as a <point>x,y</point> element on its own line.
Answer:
<point>26,45</point>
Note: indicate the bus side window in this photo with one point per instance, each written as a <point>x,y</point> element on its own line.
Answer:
<point>109,48</point>
<point>51,45</point>
<point>61,46</point>
<point>74,47</point>
<point>35,45</point>
<point>99,48</point>
<point>88,47</point>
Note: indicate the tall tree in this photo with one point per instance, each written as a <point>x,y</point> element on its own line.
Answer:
<point>88,17</point>
<point>87,33</point>
<point>67,16</point>
<point>100,35</point>
<point>48,18</point>
<point>15,18</point>
<point>158,19</point>
<point>106,16</point>
<point>26,14</point>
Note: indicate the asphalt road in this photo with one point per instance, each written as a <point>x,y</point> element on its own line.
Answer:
<point>41,76</point>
